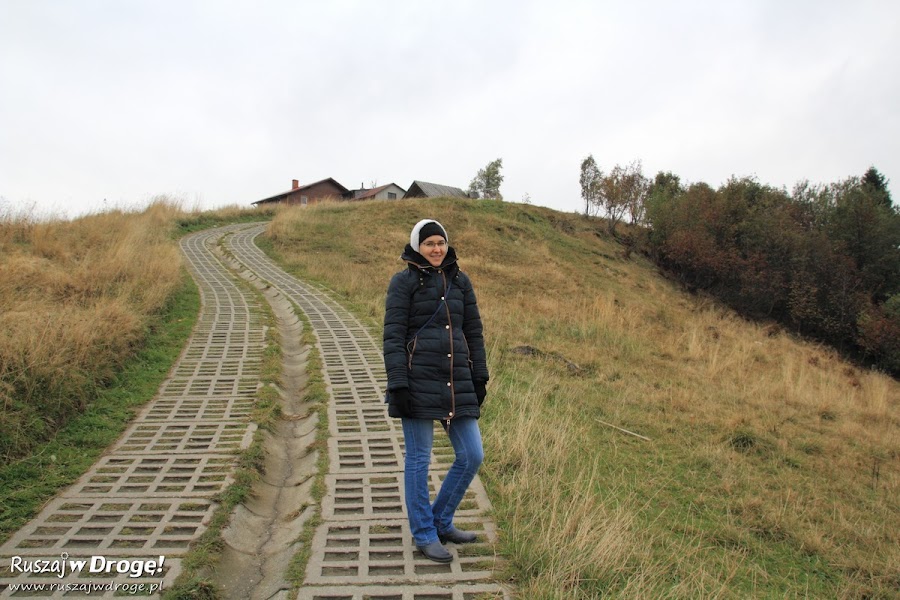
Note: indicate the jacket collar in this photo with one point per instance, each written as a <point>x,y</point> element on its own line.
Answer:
<point>418,262</point>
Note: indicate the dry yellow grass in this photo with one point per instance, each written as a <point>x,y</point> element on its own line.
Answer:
<point>773,467</point>
<point>75,299</point>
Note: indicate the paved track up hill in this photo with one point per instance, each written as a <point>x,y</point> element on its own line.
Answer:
<point>152,493</point>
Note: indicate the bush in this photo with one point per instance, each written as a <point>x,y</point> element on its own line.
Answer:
<point>879,334</point>
<point>824,260</point>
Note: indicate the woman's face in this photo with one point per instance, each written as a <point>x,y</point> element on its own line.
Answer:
<point>434,249</point>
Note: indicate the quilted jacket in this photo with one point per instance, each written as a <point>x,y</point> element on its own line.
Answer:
<point>433,342</point>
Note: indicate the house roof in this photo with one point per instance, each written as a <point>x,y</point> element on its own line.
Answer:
<point>282,195</point>
<point>432,190</point>
<point>375,191</point>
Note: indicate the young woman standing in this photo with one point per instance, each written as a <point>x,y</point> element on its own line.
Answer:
<point>436,366</point>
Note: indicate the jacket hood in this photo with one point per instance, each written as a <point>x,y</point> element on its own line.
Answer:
<point>414,259</point>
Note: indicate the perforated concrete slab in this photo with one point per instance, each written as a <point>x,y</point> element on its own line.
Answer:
<point>113,526</point>
<point>372,454</point>
<point>210,386</point>
<point>156,476</point>
<point>218,348</point>
<point>380,496</point>
<point>349,395</point>
<point>380,552</point>
<point>477,591</point>
<point>217,368</point>
<point>214,437</point>
<point>362,420</point>
<point>203,408</point>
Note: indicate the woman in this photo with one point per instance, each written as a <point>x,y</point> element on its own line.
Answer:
<point>437,370</point>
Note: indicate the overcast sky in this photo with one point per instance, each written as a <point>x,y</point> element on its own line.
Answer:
<point>110,103</point>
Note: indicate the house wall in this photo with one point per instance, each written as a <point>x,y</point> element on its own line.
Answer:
<point>391,189</point>
<point>414,191</point>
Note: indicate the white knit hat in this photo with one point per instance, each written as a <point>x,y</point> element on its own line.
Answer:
<point>414,236</point>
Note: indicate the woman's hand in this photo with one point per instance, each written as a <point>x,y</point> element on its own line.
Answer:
<point>402,401</point>
<point>480,391</point>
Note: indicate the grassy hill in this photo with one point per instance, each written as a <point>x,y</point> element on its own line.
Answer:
<point>771,468</point>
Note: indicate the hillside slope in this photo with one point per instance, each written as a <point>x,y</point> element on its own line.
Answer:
<point>772,466</point>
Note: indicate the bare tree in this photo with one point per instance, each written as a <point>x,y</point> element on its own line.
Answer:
<point>637,190</point>
<point>590,179</point>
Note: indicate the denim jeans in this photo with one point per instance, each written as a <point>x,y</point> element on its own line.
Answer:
<point>426,519</point>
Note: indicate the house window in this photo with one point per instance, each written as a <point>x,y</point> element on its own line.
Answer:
<point>392,196</point>
<point>304,200</point>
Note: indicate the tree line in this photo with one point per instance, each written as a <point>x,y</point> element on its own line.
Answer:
<point>823,259</point>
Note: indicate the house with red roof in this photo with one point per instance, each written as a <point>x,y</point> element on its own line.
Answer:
<point>326,189</point>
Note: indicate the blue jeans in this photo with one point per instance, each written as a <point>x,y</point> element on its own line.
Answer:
<point>426,519</point>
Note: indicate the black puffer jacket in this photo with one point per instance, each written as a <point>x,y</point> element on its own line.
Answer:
<point>418,354</point>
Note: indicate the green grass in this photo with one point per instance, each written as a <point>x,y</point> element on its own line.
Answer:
<point>198,221</point>
<point>28,483</point>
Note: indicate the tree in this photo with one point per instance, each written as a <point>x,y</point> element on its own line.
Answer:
<point>636,190</point>
<point>623,191</point>
<point>661,202</point>
<point>876,184</point>
<point>591,176</point>
<point>867,228</point>
<point>665,187</point>
<point>486,183</point>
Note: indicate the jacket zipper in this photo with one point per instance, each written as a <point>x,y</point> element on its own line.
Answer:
<point>411,351</point>
<point>450,332</point>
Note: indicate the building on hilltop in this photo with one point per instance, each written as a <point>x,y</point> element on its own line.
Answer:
<point>332,190</point>
<point>423,189</point>
<point>391,191</point>
<point>326,189</point>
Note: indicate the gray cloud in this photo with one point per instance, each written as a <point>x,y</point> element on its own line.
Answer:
<point>222,103</point>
